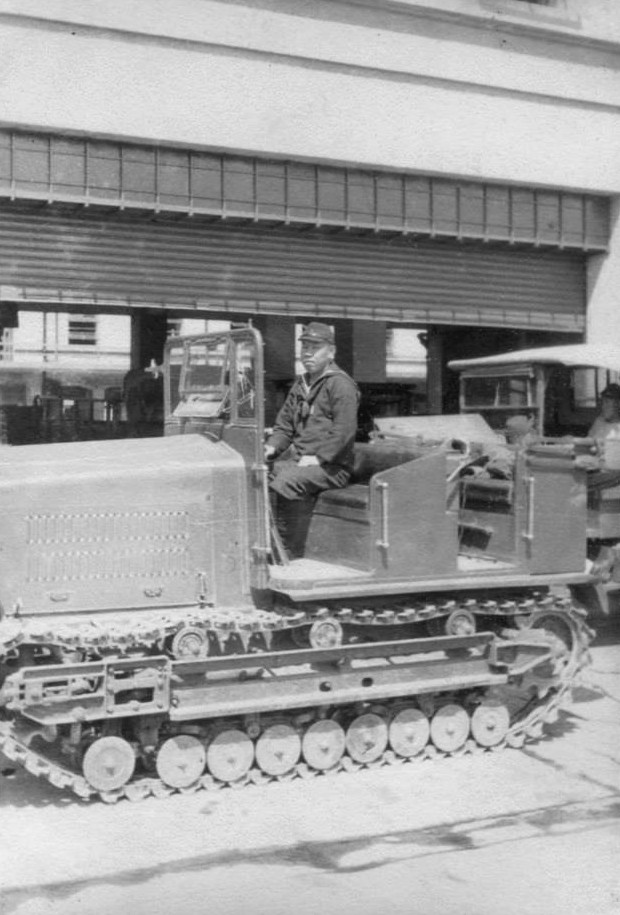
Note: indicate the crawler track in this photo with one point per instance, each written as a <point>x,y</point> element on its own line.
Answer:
<point>531,699</point>
<point>248,629</point>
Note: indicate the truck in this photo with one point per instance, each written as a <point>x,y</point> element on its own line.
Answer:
<point>558,387</point>
<point>154,636</point>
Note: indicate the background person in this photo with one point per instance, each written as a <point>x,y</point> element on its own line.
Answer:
<point>605,429</point>
<point>313,436</point>
<point>607,424</point>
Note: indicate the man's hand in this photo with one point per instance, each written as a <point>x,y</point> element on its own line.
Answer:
<point>308,460</point>
<point>270,452</point>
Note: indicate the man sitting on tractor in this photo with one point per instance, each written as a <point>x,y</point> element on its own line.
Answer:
<point>313,436</point>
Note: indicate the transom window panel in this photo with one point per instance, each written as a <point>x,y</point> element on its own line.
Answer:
<point>82,331</point>
<point>92,172</point>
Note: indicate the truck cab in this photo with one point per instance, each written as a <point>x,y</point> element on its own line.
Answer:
<point>558,386</point>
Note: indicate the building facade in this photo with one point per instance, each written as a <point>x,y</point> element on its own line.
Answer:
<point>445,166</point>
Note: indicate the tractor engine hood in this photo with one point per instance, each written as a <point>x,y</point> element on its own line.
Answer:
<point>111,525</point>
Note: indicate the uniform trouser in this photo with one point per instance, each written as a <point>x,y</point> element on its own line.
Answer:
<point>296,490</point>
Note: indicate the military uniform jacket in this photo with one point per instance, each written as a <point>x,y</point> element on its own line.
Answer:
<point>319,419</point>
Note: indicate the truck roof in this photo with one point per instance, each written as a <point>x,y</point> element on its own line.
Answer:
<point>597,355</point>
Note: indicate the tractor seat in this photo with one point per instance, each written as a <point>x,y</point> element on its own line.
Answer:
<point>369,459</point>
<point>355,497</point>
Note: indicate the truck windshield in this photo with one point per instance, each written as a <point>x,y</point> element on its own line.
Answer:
<point>497,391</point>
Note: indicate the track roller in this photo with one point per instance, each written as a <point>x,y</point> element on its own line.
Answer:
<point>490,723</point>
<point>278,749</point>
<point>108,763</point>
<point>180,761</point>
<point>460,622</point>
<point>409,732</point>
<point>323,744</point>
<point>326,633</point>
<point>190,642</point>
<point>450,728</point>
<point>230,755</point>
<point>366,737</point>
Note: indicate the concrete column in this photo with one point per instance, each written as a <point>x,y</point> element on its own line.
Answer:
<point>279,339</point>
<point>603,288</point>
<point>361,349</point>
<point>148,336</point>
<point>9,316</point>
<point>435,370</point>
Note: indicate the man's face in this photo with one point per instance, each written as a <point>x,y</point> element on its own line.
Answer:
<point>518,428</point>
<point>610,409</point>
<point>316,356</point>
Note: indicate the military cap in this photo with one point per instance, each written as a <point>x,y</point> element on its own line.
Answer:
<point>316,332</point>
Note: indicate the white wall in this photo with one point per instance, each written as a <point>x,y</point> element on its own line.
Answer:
<point>604,290</point>
<point>28,336</point>
<point>34,328</point>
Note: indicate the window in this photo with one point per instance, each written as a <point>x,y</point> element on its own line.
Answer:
<point>587,386</point>
<point>174,327</point>
<point>507,391</point>
<point>213,377</point>
<point>6,344</point>
<point>82,331</point>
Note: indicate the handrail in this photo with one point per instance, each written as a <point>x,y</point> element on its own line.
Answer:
<point>528,533</point>
<point>384,542</point>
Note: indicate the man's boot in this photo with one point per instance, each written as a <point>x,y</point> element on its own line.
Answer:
<point>293,520</point>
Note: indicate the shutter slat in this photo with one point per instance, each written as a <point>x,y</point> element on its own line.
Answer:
<point>193,263</point>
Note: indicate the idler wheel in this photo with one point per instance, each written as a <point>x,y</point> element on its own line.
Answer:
<point>323,744</point>
<point>559,634</point>
<point>558,628</point>
<point>108,763</point>
<point>278,749</point>
<point>180,761</point>
<point>409,732</point>
<point>490,723</point>
<point>230,755</point>
<point>367,737</point>
<point>190,642</point>
<point>450,728</point>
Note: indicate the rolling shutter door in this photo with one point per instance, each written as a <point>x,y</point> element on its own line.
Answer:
<point>79,259</point>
